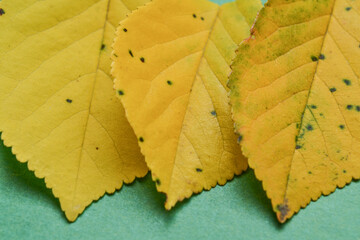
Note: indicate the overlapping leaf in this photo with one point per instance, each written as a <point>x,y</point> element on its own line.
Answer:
<point>58,110</point>
<point>171,63</point>
<point>296,99</point>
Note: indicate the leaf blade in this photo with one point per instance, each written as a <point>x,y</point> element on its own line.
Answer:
<point>293,103</point>
<point>176,102</point>
<point>59,112</point>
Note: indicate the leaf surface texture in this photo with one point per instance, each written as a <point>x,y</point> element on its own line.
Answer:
<point>296,99</point>
<point>171,64</point>
<point>58,110</point>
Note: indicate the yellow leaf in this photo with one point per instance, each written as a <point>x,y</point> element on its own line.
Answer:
<point>171,64</point>
<point>296,99</point>
<point>58,109</point>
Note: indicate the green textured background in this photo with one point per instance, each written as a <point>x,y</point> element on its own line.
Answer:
<point>239,210</point>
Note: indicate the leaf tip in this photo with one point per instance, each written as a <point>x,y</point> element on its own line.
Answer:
<point>71,216</point>
<point>282,212</point>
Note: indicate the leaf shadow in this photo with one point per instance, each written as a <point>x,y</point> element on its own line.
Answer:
<point>155,200</point>
<point>25,181</point>
<point>253,194</point>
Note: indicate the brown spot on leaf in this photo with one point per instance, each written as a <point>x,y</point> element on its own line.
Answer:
<point>283,211</point>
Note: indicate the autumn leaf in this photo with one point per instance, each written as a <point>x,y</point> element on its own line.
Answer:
<point>58,110</point>
<point>296,102</point>
<point>171,64</point>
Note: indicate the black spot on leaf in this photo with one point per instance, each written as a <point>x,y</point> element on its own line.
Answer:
<point>313,106</point>
<point>309,127</point>
<point>342,126</point>
<point>121,93</point>
<point>309,172</point>
<point>169,82</point>
<point>142,59</point>
<point>158,182</point>
<point>314,59</point>
<point>194,15</point>
<point>349,107</point>
<point>131,54</point>
<point>115,55</point>
<point>202,18</point>
<point>2,12</point>
<point>69,100</point>
<point>348,8</point>
<point>297,147</point>
<point>347,82</point>
<point>358,108</point>
<point>102,46</point>
<point>213,113</point>
<point>199,170</point>
<point>333,89</point>
<point>141,139</point>
<point>125,30</point>
<point>240,138</point>
<point>322,57</point>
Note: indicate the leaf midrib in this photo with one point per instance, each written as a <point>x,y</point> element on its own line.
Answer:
<point>194,79</point>
<point>307,101</point>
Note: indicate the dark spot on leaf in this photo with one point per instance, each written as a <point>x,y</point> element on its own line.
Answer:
<point>309,172</point>
<point>141,139</point>
<point>313,106</point>
<point>297,147</point>
<point>349,107</point>
<point>333,89</point>
<point>120,92</point>
<point>283,209</point>
<point>322,57</point>
<point>115,55</point>
<point>157,181</point>
<point>202,18</point>
<point>2,12</point>
<point>125,30</point>
<point>309,127</point>
<point>199,170</point>
<point>347,82</point>
<point>240,138</point>
<point>348,8</point>
<point>102,46</point>
<point>314,59</point>
<point>344,171</point>
<point>213,113</point>
<point>131,54</point>
<point>194,15</point>
<point>97,148</point>
<point>69,100</point>
<point>342,126</point>
<point>358,108</point>
<point>321,114</point>
<point>142,59</point>
<point>169,82</point>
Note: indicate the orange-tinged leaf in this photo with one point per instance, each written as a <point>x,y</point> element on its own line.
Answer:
<point>58,109</point>
<point>171,64</point>
<point>296,99</point>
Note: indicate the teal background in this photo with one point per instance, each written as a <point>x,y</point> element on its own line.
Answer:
<point>238,210</point>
